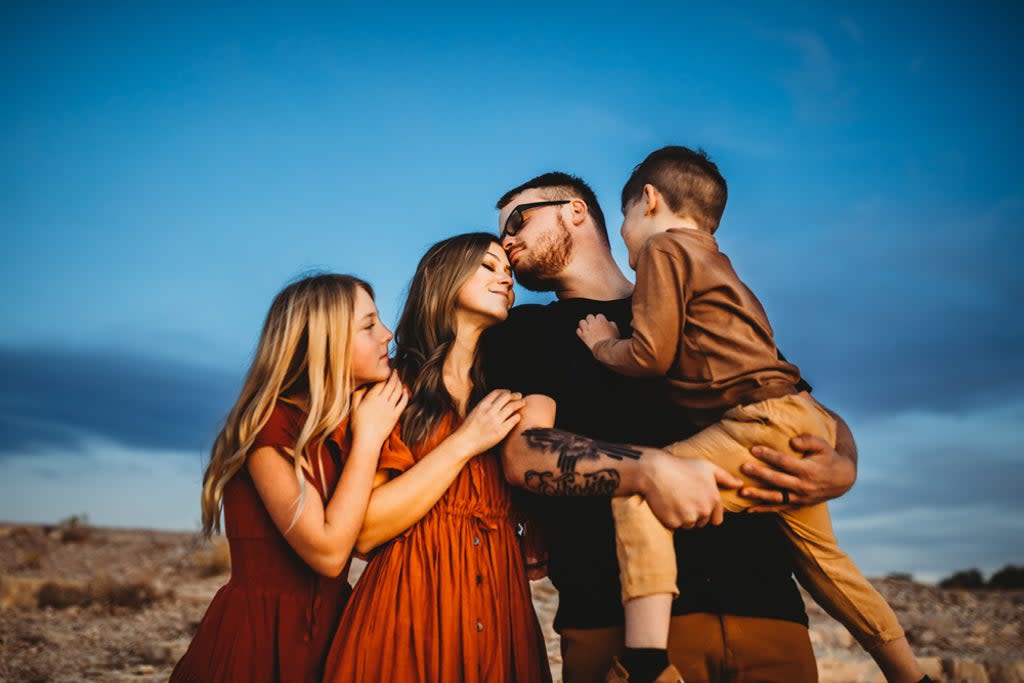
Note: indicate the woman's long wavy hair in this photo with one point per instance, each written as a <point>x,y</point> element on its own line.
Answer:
<point>426,331</point>
<point>303,358</point>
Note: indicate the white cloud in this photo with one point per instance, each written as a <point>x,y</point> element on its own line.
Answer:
<point>112,484</point>
<point>936,493</point>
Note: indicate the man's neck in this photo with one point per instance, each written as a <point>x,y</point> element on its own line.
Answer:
<point>597,277</point>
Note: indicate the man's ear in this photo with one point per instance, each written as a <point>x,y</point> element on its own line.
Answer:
<point>579,211</point>
<point>652,199</point>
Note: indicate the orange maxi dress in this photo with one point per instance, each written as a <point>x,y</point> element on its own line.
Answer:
<point>448,600</point>
<point>274,619</point>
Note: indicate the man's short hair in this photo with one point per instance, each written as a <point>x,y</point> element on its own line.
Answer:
<point>557,185</point>
<point>689,181</point>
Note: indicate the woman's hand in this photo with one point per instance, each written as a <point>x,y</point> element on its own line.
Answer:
<point>491,420</point>
<point>376,409</point>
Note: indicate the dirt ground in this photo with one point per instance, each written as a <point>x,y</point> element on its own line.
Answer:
<point>79,603</point>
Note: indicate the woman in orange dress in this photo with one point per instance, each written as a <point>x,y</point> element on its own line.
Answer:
<point>444,597</point>
<point>294,482</point>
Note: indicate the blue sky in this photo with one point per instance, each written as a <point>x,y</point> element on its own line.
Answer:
<point>166,169</point>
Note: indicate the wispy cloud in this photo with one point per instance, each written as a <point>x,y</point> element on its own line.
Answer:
<point>936,492</point>
<point>813,84</point>
<point>884,318</point>
<point>112,484</point>
<point>852,29</point>
<point>60,395</point>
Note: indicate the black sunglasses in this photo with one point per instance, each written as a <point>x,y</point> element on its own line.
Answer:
<point>515,220</point>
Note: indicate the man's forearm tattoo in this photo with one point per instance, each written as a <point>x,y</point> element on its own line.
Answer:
<point>600,483</point>
<point>573,447</point>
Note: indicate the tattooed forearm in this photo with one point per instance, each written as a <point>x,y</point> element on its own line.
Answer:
<point>600,483</point>
<point>572,447</point>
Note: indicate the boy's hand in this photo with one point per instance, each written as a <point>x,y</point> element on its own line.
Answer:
<point>596,328</point>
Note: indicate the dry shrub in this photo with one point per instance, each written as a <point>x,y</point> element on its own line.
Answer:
<point>17,592</point>
<point>32,559</point>
<point>107,593</point>
<point>214,559</point>
<point>131,594</point>
<point>63,594</point>
<point>75,529</point>
<point>29,672</point>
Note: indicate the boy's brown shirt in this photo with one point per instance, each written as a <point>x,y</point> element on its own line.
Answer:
<point>695,322</point>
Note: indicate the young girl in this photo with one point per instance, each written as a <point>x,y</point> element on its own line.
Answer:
<point>292,470</point>
<point>445,598</point>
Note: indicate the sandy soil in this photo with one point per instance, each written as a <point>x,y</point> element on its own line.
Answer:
<point>89,604</point>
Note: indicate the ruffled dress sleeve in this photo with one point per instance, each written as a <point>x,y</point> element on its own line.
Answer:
<point>395,455</point>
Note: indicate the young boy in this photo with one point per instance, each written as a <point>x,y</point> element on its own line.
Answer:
<point>696,323</point>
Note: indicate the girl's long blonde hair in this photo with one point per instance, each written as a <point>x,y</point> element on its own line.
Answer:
<point>303,358</point>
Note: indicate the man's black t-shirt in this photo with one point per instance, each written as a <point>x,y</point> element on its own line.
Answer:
<point>742,567</point>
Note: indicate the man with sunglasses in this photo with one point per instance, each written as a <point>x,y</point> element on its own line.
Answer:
<point>739,616</point>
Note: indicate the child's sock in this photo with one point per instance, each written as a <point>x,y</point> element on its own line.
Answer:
<point>644,664</point>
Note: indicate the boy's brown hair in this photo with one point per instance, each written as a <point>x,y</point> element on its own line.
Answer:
<point>689,181</point>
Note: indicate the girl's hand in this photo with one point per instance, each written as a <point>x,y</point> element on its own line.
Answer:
<point>596,328</point>
<point>376,409</point>
<point>492,419</point>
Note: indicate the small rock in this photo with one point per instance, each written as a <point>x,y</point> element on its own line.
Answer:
<point>964,671</point>
<point>931,667</point>
<point>1005,671</point>
<point>156,653</point>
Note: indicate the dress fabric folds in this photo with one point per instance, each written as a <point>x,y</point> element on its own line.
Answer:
<point>448,600</point>
<point>273,621</point>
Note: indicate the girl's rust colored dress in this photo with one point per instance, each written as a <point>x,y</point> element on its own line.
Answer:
<point>448,600</point>
<point>274,619</point>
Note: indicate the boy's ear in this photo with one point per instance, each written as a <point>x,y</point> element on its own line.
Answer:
<point>652,199</point>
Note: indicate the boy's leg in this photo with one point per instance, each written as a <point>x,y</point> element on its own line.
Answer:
<point>826,571</point>
<point>647,569</point>
<point>837,584</point>
<point>771,423</point>
<point>644,548</point>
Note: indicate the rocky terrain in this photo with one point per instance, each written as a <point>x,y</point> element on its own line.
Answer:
<point>79,603</point>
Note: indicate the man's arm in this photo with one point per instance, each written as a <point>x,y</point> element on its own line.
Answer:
<point>822,474</point>
<point>681,492</point>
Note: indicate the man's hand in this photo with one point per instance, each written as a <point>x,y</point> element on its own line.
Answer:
<point>821,475</point>
<point>683,492</point>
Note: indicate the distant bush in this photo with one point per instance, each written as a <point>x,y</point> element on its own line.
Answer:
<point>1009,577</point>
<point>75,529</point>
<point>214,559</point>
<point>970,578</point>
<point>32,559</point>
<point>63,594</point>
<point>107,593</point>
<point>130,594</point>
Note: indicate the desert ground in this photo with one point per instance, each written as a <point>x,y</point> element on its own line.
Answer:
<point>79,603</point>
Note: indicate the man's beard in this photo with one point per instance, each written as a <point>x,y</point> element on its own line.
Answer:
<point>546,260</point>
